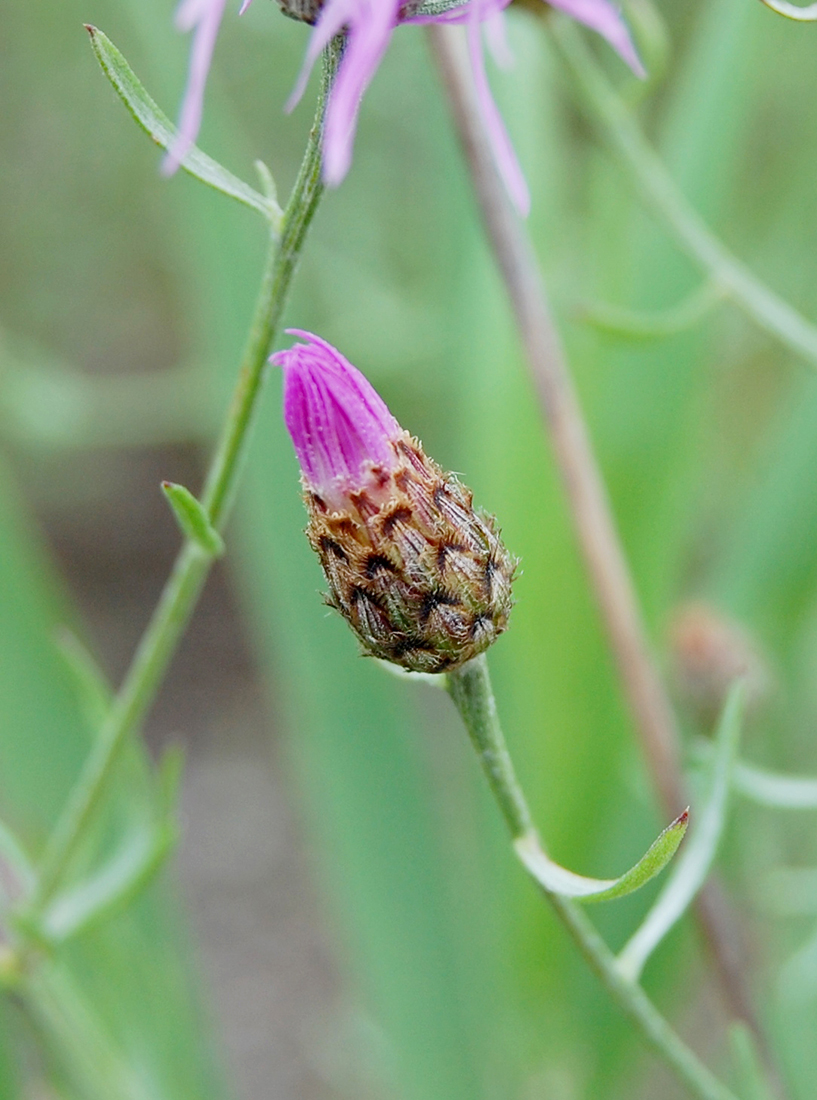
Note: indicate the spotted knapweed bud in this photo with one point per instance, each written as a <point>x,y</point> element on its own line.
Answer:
<point>421,576</point>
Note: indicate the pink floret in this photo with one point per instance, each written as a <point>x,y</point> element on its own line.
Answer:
<point>339,424</point>
<point>369,25</point>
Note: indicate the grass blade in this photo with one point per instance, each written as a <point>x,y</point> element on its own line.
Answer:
<point>694,865</point>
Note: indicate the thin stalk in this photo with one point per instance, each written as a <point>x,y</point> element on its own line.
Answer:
<point>583,484</point>
<point>74,1036</point>
<point>585,491</point>
<point>181,592</point>
<point>620,129</point>
<point>470,688</point>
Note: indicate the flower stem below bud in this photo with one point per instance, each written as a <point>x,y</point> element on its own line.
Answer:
<point>470,689</point>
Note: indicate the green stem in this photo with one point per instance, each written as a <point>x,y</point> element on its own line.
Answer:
<point>73,1034</point>
<point>657,187</point>
<point>158,644</point>
<point>470,688</point>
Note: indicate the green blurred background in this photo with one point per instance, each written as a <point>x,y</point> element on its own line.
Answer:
<point>343,918</point>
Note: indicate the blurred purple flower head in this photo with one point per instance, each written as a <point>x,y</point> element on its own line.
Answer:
<point>339,424</point>
<point>369,25</point>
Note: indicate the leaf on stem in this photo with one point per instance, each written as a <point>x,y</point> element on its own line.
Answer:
<point>111,888</point>
<point>193,519</point>
<point>630,324</point>
<point>751,1083</point>
<point>13,853</point>
<point>267,182</point>
<point>159,127</point>
<point>93,690</point>
<point>558,880</point>
<point>125,875</point>
<point>767,309</point>
<point>780,792</point>
<point>86,1056</point>
<point>764,787</point>
<point>694,865</point>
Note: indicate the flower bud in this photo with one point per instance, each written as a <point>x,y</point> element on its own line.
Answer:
<point>709,652</point>
<point>421,576</point>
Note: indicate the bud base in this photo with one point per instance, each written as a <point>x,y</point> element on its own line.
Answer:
<point>420,575</point>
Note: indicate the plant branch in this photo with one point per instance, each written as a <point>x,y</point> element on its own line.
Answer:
<point>470,688</point>
<point>620,129</point>
<point>178,600</point>
<point>579,470</point>
<point>584,488</point>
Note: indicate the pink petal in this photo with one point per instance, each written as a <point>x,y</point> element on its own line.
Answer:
<point>369,25</point>
<point>203,17</point>
<point>334,15</point>
<point>604,17</point>
<point>496,39</point>
<point>369,37</point>
<point>338,422</point>
<point>503,150</point>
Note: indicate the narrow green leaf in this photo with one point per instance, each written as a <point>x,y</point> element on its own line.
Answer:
<point>766,788</point>
<point>107,891</point>
<point>267,182</point>
<point>113,887</point>
<point>558,880</point>
<point>631,324</point>
<point>694,865</point>
<point>159,127</point>
<point>94,1064</point>
<point>93,690</point>
<point>781,792</point>
<point>751,1082</point>
<point>170,777</point>
<point>12,851</point>
<point>192,518</point>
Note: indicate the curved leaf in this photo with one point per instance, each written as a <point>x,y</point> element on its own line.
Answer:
<point>630,324</point>
<point>781,792</point>
<point>694,865</point>
<point>558,880</point>
<point>155,123</point>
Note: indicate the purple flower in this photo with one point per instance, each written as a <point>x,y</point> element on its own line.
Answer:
<point>420,575</point>
<point>369,25</point>
<point>339,424</point>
